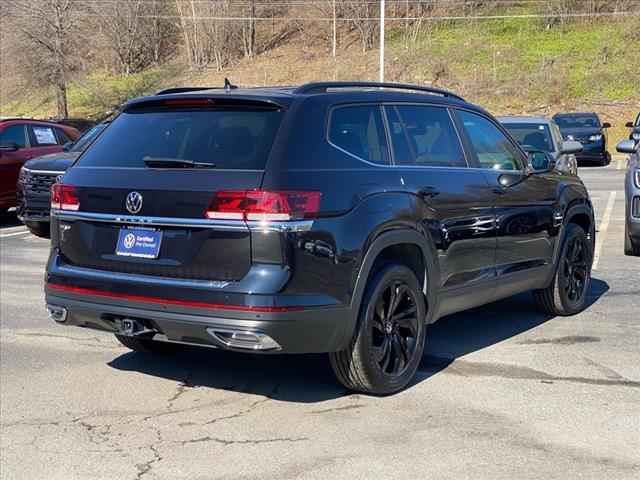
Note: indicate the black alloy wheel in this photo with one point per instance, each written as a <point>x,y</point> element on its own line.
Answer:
<point>575,269</point>
<point>388,343</point>
<point>394,335</point>
<point>567,292</point>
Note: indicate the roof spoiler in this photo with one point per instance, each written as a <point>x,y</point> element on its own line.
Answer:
<point>323,87</point>
<point>168,91</point>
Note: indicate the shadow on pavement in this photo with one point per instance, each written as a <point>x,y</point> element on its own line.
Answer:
<point>457,335</point>
<point>309,379</point>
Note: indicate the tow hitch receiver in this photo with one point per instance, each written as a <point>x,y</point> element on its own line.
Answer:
<point>133,328</point>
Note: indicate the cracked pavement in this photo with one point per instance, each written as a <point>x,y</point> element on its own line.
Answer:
<point>502,393</point>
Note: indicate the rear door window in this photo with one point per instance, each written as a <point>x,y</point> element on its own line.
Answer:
<point>424,136</point>
<point>14,134</point>
<point>492,148</point>
<point>359,131</point>
<point>43,135</point>
<point>227,138</point>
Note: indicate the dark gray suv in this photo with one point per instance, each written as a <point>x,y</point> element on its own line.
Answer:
<point>332,217</point>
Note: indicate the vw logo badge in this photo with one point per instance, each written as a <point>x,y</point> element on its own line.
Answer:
<point>134,202</point>
<point>59,178</point>
<point>129,241</point>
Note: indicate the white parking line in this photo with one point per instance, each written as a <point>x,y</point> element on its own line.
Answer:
<point>622,163</point>
<point>604,226</point>
<point>14,234</point>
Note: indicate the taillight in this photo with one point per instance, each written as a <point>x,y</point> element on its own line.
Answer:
<point>259,205</point>
<point>64,197</point>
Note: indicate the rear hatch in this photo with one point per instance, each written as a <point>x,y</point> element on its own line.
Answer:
<point>153,173</point>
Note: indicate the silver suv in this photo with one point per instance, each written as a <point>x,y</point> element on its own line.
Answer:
<point>632,197</point>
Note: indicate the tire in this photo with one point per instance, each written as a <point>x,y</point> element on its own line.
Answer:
<point>384,354</point>
<point>567,293</point>
<point>145,345</point>
<point>39,229</point>
<point>630,249</point>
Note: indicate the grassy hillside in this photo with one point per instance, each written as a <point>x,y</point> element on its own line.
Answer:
<point>512,66</point>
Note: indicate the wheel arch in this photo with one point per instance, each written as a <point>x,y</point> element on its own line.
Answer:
<point>579,213</point>
<point>387,246</point>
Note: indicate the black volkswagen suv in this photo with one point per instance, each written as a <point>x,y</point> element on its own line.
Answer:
<point>332,217</point>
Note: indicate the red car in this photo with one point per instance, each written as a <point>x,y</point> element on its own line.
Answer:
<point>21,140</point>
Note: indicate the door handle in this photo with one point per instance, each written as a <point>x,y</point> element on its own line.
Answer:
<point>429,192</point>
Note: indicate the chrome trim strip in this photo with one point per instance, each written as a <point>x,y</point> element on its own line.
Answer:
<point>283,227</point>
<point>46,172</point>
<point>149,221</point>
<point>257,226</point>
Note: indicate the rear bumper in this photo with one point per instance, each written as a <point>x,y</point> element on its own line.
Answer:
<point>314,330</point>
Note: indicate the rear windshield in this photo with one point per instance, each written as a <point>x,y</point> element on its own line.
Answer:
<point>577,121</point>
<point>85,140</point>
<point>227,138</point>
<point>535,136</point>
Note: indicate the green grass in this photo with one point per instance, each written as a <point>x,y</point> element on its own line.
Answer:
<point>580,61</point>
<point>90,97</point>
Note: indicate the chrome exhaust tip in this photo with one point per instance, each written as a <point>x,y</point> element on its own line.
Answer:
<point>56,313</point>
<point>243,339</point>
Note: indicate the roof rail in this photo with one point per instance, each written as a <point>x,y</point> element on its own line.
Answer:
<point>168,91</point>
<point>322,87</point>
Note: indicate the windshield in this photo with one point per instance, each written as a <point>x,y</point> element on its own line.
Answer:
<point>535,136</point>
<point>85,140</point>
<point>228,138</point>
<point>577,121</point>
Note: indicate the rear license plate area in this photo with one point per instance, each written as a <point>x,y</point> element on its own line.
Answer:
<point>139,243</point>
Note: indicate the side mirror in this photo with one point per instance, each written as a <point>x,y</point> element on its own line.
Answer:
<point>571,146</point>
<point>629,125</point>
<point>67,146</point>
<point>9,147</point>
<point>627,146</point>
<point>540,161</point>
<point>606,125</point>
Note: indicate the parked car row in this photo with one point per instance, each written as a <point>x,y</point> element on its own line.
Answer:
<point>339,218</point>
<point>22,140</point>
<point>38,174</point>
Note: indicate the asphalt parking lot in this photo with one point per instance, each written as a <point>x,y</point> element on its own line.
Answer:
<point>502,392</point>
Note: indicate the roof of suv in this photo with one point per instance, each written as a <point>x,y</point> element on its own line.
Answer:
<point>523,119</point>
<point>333,91</point>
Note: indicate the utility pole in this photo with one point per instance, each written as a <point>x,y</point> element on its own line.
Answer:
<point>381,40</point>
<point>334,28</point>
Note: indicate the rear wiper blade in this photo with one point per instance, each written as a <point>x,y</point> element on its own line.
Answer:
<point>161,162</point>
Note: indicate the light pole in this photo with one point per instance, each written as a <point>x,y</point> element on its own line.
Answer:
<point>381,40</point>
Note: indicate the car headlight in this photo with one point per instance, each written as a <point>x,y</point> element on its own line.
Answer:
<point>636,136</point>
<point>595,138</point>
<point>636,177</point>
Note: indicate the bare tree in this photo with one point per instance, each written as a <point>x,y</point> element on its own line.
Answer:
<point>135,31</point>
<point>48,29</point>
<point>249,31</point>
<point>361,18</point>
